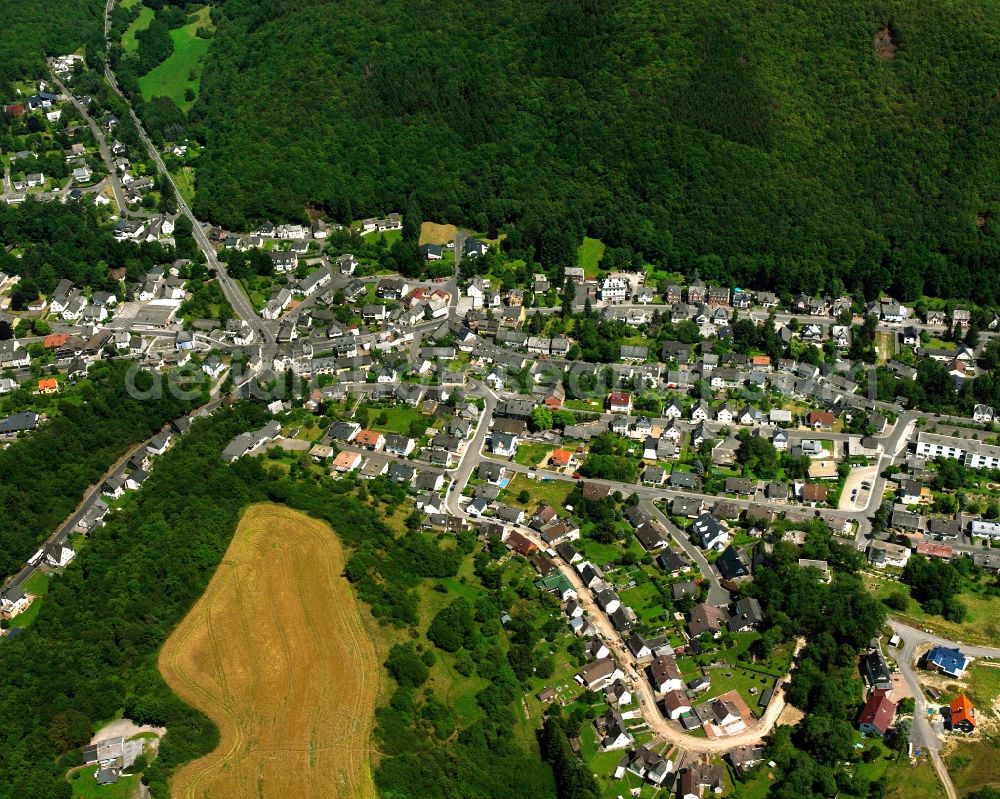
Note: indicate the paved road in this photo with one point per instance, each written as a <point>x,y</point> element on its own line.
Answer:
<point>234,294</point>
<point>106,156</point>
<point>471,457</point>
<point>717,595</point>
<point>923,734</point>
<point>94,492</point>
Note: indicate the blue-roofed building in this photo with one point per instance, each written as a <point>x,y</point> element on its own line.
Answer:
<point>947,660</point>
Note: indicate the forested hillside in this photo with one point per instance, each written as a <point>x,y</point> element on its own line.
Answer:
<point>32,29</point>
<point>781,143</point>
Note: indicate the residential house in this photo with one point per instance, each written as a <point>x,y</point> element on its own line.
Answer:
<point>875,671</point>
<point>877,715</point>
<point>886,553</point>
<point>947,660</point>
<point>706,618</point>
<point>746,615</point>
<point>712,533</point>
<point>599,674</point>
<point>665,675</point>
<point>58,555</point>
<point>620,402</point>
<point>676,703</point>
<point>961,714</point>
<point>504,444</point>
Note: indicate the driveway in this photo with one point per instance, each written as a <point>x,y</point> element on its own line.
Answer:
<point>854,481</point>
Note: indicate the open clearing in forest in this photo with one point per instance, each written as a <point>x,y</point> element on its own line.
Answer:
<point>433,233</point>
<point>276,654</point>
<point>182,68</point>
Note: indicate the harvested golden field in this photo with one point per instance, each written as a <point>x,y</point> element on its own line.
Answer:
<point>433,233</point>
<point>276,654</point>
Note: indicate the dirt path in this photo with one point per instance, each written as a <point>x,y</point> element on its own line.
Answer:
<point>125,728</point>
<point>651,712</point>
<point>276,654</point>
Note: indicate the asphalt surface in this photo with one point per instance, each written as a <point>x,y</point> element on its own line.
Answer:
<point>717,595</point>
<point>105,151</point>
<point>230,288</point>
<point>923,735</point>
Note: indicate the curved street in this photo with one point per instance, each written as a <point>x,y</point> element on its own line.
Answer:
<point>923,735</point>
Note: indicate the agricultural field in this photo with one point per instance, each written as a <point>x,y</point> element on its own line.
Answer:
<point>974,765</point>
<point>182,70</point>
<point>981,626</point>
<point>276,654</point>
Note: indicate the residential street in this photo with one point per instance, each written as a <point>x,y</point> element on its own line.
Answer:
<point>717,595</point>
<point>922,735</point>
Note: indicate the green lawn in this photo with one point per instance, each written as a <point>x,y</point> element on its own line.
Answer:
<point>129,44</point>
<point>553,492</point>
<point>727,679</point>
<point>184,178</point>
<point>257,289</point>
<point>981,626</point>
<point>645,600</point>
<point>589,254</point>
<point>84,786</point>
<point>598,552</point>
<point>583,405</point>
<point>182,70</point>
<point>531,454</point>
<point>38,584</point>
<point>974,765</point>
<point>399,419</point>
<point>756,788</point>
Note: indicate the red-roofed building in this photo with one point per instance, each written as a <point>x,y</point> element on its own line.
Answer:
<point>55,340</point>
<point>877,715</point>
<point>813,492</point>
<point>820,420</point>
<point>932,550</point>
<point>561,458</point>
<point>521,545</point>
<point>760,360</point>
<point>14,109</point>
<point>48,385</point>
<point>372,439</point>
<point>346,461</point>
<point>620,402</point>
<point>963,714</point>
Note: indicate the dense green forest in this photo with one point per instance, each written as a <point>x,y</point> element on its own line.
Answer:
<point>92,649</point>
<point>775,145</point>
<point>46,473</point>
<point>32,30</point>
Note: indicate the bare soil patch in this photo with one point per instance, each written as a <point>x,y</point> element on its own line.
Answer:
<point>885,43</point>
<point>276,654</point>
<point>789,716</point>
